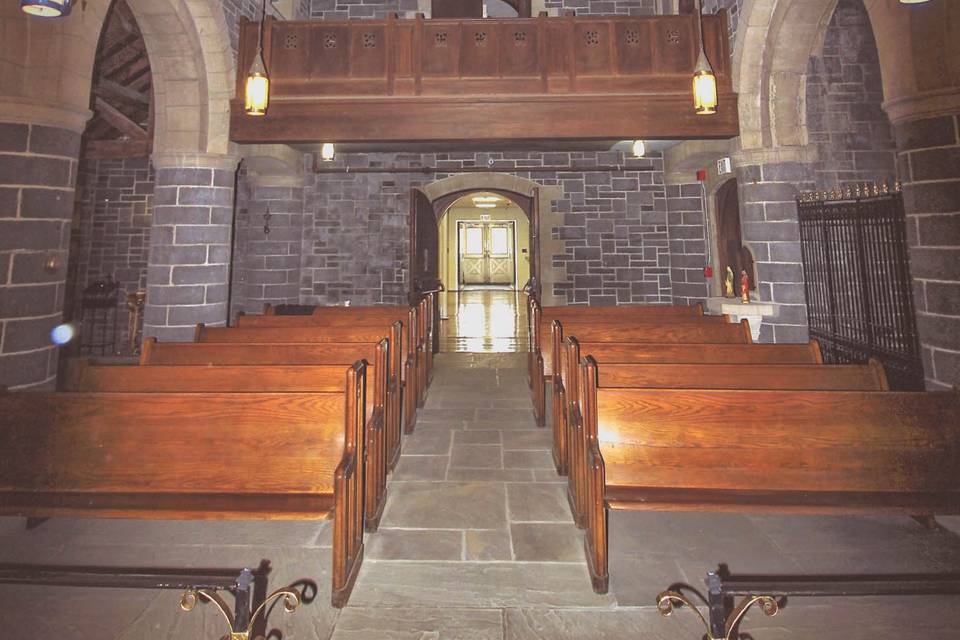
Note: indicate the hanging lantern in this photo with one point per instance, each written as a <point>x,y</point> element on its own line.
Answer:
<point>258,83</point>
<point>704,80</point>
<point>47,8</point>
<point>328,152</point>
<point>639,149</point>
<point>258,88</point>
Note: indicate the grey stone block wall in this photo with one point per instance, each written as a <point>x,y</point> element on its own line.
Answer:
<point>929,162</point>
<point>844,96</point>
<point>267,265</point>
<point>770,229</point>
<point>614,232</point>
<point>607,7</point>
<point>38,166</point>
<point>188,271</point>
<point>688,246</point>
<point>111,232</point>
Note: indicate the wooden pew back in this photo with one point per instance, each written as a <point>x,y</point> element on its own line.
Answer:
<point>157,353</point>
<point>767,451</point>
<point>634,353</point>
<point>85,377</point>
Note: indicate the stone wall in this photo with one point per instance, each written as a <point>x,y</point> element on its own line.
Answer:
<point>688,246</point>
<point>614,233</point>
<point>351,9</point>
<point>844,96</point>
<point>111,232</point>
<point>607,7</point>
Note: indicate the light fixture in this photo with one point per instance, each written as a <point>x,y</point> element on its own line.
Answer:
<point>639,149</point>
<point>485,205</point>
<point>47,8</point>
<point>704,80</point>
<point>258,84</point>
<point>485,202</point>
<point>914,1</point>
<point>328,152</point>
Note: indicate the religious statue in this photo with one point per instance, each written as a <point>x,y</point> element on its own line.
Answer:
<point>744,287</point>
<point>728,284</point>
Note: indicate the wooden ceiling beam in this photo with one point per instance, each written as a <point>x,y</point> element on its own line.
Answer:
<point>100,149</point>
<point>110,90</point>
<point>118,120</point>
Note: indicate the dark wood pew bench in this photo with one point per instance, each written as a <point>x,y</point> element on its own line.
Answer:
<point>320,335</point>
<point>565,393</point>
<point>83,376</point>
<point>791,377</point>
<point>197,456</point>
<point>539,319</point>
<point>817,452</point>
<point>157,353</point>
<point>411,376</point>
<point>704,330</point>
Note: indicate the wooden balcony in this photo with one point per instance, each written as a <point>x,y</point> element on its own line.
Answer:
<point>566,78</point>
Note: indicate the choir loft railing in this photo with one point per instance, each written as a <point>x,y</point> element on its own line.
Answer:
<point>857,275</point>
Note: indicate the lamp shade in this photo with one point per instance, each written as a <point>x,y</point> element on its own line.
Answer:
<point>704,88</point>
<point>257,89</point>
<point>639,149</point>
<point>47,8</point>
<point>328,152</point>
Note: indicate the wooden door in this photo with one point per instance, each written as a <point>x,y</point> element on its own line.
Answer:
<point>500,253</point>
<point>425,256</point>
<point>534,213</point>
<point>472,253</point>
<point>730,250</point>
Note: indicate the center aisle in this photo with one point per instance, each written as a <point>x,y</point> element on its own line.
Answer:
<point>477,540</point>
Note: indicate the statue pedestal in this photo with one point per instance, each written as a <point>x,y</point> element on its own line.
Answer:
<point>753,312</point>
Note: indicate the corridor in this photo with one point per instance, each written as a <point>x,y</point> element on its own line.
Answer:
<point>483,320</point>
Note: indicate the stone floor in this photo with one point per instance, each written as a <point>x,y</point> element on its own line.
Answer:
<point>477,542</point>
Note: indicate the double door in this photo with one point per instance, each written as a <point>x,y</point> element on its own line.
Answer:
<point>487,253</point>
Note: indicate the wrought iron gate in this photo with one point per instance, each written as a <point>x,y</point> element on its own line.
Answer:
<point>858,286</point>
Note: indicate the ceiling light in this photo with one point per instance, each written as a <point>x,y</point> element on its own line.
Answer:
<point>47,8</point>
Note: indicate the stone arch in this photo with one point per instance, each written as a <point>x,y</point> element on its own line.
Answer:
<point>774,44</point>
<point>549,220</point>
<point>50,65</point>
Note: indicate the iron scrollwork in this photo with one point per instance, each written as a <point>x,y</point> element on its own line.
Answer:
<point>190,598</point>
<point>668,599</point>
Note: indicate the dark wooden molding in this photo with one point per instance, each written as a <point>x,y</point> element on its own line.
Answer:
<point>564,78</point>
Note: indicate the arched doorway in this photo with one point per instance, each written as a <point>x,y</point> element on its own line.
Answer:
<point>490,321</point>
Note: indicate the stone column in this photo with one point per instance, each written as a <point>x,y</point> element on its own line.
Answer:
<point>269,263</point>
<point>769,184</point>
<point>188,272</point>
<point>928,151</point>
<point>38,167</point>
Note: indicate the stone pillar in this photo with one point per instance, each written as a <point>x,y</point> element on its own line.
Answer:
<point>269,263</point>
<point>769,184</point>
<point>188,272</point>
<point>38,166</point>
<point>928,152</point>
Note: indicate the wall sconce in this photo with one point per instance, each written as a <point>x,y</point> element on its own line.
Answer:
<point>47,8</point>
<point>639,149</point>
<point>258,84</point>
<point>704,80</point>
<point>328,152</point>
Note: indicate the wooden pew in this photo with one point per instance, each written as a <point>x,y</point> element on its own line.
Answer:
<point>313,353</point>
<point>427,329</point>
<point>83,376</point>
<point>822,452</point>
<point>364,317</point>
<point>571,351</point>
<point>274,456</point>
<point>707,330</point>
<point>796,377</point>
<point>539,319</point>
<point>276,335</point>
